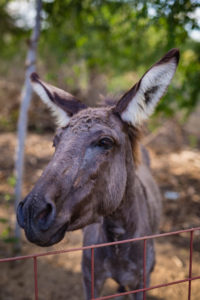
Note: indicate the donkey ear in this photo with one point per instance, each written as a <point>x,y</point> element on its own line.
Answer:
<point>62,104</point>
<point>139,102</point>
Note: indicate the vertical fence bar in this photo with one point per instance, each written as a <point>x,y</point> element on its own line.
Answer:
<point>35,277</point>
<point>145,279</point>
<point>190,265</point>
<point>92,273</point>
<point>144,269</point>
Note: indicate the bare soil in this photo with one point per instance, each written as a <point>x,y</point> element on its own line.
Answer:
<point>176,168</point>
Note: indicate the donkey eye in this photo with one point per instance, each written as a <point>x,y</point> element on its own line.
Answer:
<point>105,143</point>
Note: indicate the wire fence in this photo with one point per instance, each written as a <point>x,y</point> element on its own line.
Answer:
<point>189,279</point>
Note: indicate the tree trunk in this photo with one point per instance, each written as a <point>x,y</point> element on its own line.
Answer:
<point>96,87</point>
<point>23,116</point>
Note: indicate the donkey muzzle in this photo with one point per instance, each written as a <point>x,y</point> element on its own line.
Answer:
<point>41,218</point>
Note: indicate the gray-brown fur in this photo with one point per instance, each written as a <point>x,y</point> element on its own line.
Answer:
<point>96,182</point>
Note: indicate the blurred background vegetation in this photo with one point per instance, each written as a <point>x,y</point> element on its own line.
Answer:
<point>98,48</point>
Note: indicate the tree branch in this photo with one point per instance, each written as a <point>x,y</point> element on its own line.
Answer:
<point>26,97</point>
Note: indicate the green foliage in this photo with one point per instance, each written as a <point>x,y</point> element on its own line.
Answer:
<point>7,237</point>
<point>117,38</point>
<point>7,197</point>
<point>193,141</point>
<point>12,181</point>
<point>5,234</point>
<point>11,35</point>
<point>3,220</point>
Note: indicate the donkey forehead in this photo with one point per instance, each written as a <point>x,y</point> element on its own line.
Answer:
<point>92,118</point>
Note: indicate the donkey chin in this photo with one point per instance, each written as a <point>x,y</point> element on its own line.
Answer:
<point>48,238</point>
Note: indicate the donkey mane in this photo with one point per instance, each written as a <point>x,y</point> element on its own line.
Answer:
<point>134,133</point>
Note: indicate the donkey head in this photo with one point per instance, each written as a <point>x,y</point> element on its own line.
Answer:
<point>87,176</point>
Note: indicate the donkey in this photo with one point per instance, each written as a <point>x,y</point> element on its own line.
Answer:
<point>99,179</point>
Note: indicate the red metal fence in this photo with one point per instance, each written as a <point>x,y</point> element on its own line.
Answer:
<point>144,239</point>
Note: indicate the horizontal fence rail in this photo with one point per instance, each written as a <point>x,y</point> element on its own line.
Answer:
<point>189,279</point>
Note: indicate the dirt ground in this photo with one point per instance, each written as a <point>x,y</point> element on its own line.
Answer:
<point>176,167</point>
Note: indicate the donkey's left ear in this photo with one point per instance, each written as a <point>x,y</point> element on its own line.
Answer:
<point>62,104</point>
<point>139,102</point>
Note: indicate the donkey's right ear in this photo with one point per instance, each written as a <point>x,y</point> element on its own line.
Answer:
<point>62,104</point>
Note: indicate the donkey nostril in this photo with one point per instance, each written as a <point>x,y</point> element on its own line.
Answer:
<point>46,216</point>
<point>20,216</point>
<point>42,215</point>
<point>45,213</point>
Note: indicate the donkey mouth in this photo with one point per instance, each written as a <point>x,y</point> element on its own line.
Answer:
<point>42,241</point>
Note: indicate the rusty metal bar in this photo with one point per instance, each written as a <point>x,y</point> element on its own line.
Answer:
<point>144,269</point>
<point>99,245</point>
<point>190,265</point>
<point>35,277</point>
<point>92,273</point>
<point>92,247</point>
<point>147,289</point>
